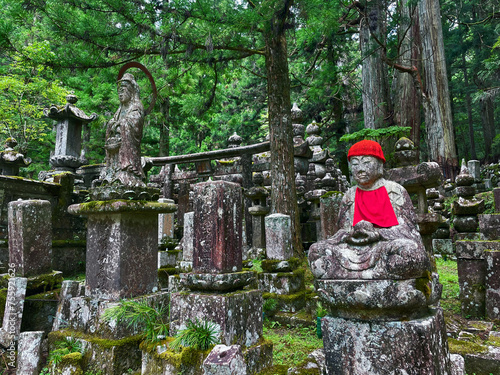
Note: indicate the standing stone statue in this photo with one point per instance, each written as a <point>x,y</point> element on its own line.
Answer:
<point>123,137</point>
<point>378,236</point>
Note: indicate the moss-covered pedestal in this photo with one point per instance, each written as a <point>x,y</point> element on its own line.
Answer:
<point>122,247</point>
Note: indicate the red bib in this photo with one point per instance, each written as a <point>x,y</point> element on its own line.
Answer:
<point>375,207</point>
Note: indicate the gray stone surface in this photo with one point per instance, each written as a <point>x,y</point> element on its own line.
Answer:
<point>471,277</point>
<point>378,299</point>
<point>489,225</point>
<point>217,227</point>
<point>467,249</point>
<point>165,222</point>
<point>444,247</point>
<point>329,212</point>
<point>69,289</point>
<point>278,237</point>
<point>282,282</point>
<point>30,237</point>
<point>222,282</point>
<point>30,353</point>
<point>238,314</point>
<point>474,167</point>
<point>492,284</point>
<point>13,314</point>
<point>225,360</point>
<point>496,195</point>
<point>483,363</point>
<point>457,364</point>
<point>188,241</point>
<point>416,347</point>
<point>122,247</point>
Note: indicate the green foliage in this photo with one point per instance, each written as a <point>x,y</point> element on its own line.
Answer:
<point>292,346</point>
<point>140,314</point>
<point>65,347</point>
<point>197,335</point>
<point>448,277</point>
<point>377,134</point>
<point>270,304</point>
<point>320,310</point>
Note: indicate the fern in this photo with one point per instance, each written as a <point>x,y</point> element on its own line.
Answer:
<point>197,335</point>
<point>138,314</point>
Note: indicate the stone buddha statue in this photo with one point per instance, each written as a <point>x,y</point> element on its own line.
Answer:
<point>378,236</point>
<point>123,137</point>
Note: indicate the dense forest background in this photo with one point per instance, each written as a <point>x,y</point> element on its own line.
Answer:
<point>351,65</point>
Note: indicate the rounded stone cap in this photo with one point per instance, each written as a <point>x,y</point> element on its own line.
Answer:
<point>121,206</point>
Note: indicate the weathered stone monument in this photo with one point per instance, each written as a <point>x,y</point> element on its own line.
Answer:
<point>11,160</point>
<point>374,277</point>
<point>217,281</point>
<point>122,241</point>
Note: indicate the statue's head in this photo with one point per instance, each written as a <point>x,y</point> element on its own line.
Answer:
<point>128,89</point>
<point>367,162</point>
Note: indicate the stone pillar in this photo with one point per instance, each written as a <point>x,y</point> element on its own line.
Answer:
<point>474,167</point>
<point>188,244</point>
<point>278,237</point>
<point>496,194</point>
<point>258,194</point>
<point>217,227</point>
<point>13,314</point>
<point>30,237</point>
<point>472,270</point>
<point>122,247</point>
<point>29,359</point>
<point>217,283</point>
<point>329,212</point>
<point>165,222</point>
<point>492,258</point>
<point>225,360</point>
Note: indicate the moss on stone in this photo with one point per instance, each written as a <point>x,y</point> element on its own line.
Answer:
<point>423,284</point>
<point>103,343</point>
<point>331,193</point>
<point>3,299</point>
<point>465,347</point>
<point>275,370</point>
<point>269,265</point>
<point>44,283</point>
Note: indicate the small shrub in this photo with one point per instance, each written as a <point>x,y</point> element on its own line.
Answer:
<point>65,347</point>
<point>197,335</point>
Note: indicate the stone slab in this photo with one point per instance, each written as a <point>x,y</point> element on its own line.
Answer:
<point>188,241</point>
<point>217,224</point>
<point>444,247</point>
<point>474,249</point>
<point>278,237</point>
<point>14,307</point>
<point>489,225</point>
<point>483,363</point>
<point>30,236</point>
<point>85,315</point>
<point>282,283</point>
<point>225,360</point>
<point>471,277</point>
<point>496,195</point>
<point>258,357</point>
<point>165,222</point>
<point>416,347</point>
<point>492,283</point>
<point>168,258</point>
<point>329,213</point>
<point>29,360</point>
<point>238,315</point>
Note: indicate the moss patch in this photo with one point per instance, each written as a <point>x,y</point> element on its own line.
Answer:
<point>465,347</point>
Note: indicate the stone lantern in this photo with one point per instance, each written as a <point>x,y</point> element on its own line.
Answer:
<point>11,160</point>
<point>68,154</point>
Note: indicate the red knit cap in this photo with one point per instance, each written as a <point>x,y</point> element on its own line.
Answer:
<point>366,147</point>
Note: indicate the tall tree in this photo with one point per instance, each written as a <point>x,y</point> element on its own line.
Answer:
<point>436,102</point>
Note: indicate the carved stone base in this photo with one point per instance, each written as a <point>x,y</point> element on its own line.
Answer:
<point>416,347</point>
<point>238,314</point>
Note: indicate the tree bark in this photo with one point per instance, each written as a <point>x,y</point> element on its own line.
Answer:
<point>372,35</point>
<point>436,102</point>
<point>468,104</point>
<point>407,96</point>
<point>283,192</point>
<point>488,121</point>
<point>164,145</point>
